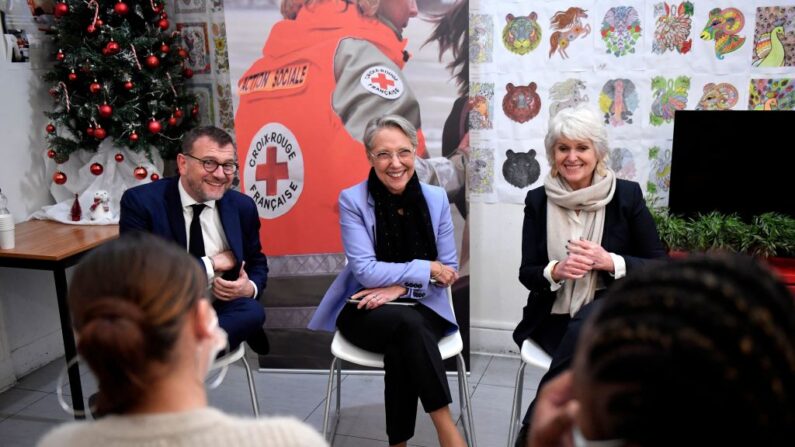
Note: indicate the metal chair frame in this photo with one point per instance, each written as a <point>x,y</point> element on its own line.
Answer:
<point>531,354</point>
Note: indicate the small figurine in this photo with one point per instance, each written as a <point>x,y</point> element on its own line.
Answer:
<point>101,206</point>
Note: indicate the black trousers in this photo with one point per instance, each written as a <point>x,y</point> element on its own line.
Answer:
<point>408,337</point>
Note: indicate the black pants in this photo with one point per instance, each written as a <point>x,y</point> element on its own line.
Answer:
<point>408,337</point>
<point>562,355</point>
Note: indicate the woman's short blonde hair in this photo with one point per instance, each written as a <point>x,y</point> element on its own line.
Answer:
<point>578,123</point>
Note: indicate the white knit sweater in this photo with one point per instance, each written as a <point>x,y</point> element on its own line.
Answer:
<point>204,427</point>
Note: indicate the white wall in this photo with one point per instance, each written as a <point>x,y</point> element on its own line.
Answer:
<point>30,333</point>
<point>496,295</point>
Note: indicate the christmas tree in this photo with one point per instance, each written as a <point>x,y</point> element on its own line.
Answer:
<point>119,74</point>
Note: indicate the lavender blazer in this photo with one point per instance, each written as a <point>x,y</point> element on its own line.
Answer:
<point>357,221</point>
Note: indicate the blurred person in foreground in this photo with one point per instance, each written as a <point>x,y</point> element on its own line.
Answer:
<point>398,239</point>
<point>583,230</point>
<point>697,352</point>
<point>149,334</point>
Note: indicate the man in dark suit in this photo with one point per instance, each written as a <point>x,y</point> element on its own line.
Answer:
<point>219,226</point>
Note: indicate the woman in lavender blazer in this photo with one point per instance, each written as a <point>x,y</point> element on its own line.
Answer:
<point>398,239</point>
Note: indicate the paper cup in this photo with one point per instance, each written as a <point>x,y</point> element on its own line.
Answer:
<point>7,239</point>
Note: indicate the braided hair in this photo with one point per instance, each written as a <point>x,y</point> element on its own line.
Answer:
<point>695,352</point>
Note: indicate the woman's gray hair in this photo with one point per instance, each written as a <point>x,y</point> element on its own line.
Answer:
<point>393,121</point>
<point>577,123</point>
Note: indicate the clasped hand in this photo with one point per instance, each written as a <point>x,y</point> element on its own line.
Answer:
<point>378,296</point>
<point>444,275</point>
<point>230,290</point>
<point>583,257</point>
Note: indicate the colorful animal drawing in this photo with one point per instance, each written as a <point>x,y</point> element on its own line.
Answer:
<point>670,95</point>
<point>566,94</point>
<point>722,27</point>
<point>480,172</point>
<point>772,94</point>
<point>672,29</point>
<point>618,100</point>
<point>721,96</point>
<point>569,27</point>
<point>481,42</point>
<point>622,162</point>
<point>479,112</point>
<point>621,30</point>
<point>521,35</point>
<point>769,50</point>
<point>521,169</point>
<point>521,103</point>
<point>659,181</point>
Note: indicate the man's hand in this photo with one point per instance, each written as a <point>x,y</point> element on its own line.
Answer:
<point>372,298</point>
<point>223,261</point>
<point>230,290</point>
<point>554,414</point>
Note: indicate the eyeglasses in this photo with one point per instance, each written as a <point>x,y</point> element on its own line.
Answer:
<point>211,165</point>
<point>387,156</point>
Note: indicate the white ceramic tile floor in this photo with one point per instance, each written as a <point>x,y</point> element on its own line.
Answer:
<point>30,408</point>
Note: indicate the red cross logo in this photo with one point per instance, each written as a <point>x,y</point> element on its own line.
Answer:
<point>271,171</point>
<point>382,81</point>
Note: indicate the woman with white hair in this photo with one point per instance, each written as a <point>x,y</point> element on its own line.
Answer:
<point>582,230</point>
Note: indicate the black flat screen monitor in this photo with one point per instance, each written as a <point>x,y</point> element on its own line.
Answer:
<point>733,162</point>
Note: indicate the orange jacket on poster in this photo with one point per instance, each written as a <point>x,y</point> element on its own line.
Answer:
<point>295,153</point>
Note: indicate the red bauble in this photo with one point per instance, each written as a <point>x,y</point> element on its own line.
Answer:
<point>128,85</point>
<point>105,110</point>
<point>195,110</point>
<point>152,61</point>
<point>121,8</point>
<point>100,133</point>
<point>59,178</point>
<point>105,51</point>
<point>113,47</point>
<point>96,168</point>
<point>183,53</point>
<point>99,23</point>
<point>60,56</point>
<point>164,48</point>
<point>140,173</point>
<point>51,153</point>
<point>133,137</point>
<point>163,24</point>
<point>61,9</point>
<point>119,157</point>
<point>91,29</point>
<point>157,7</point>
<point>54,92</point>
<point>188,73</point>
<point>154,177</point>
<point>172,121</point>
<point>72,76</point>
<point>90,131</point>
<point>94,87</point>
<point>178,113</point>
<point>50,128</point>
<point>164,15</point>
<point>154,126</point>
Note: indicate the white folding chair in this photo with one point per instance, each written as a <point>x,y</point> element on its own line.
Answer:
<point>232,357</point>
<point>342,349</point>
<point>532,354</point>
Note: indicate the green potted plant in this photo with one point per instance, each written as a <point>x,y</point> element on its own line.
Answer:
<point>769,236</point>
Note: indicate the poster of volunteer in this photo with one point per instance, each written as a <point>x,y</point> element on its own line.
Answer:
<point>306,77</point>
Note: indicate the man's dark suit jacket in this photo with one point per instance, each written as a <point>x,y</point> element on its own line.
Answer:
<point>156,208</point>
<point>629,232</point>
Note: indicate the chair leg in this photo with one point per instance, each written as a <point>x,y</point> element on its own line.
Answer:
<point>331,372</point>
<point>517,404</point>
<point>467,401</point>
<point>252,391</point>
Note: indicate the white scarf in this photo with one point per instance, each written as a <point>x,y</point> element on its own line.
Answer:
<point>562,202</point>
